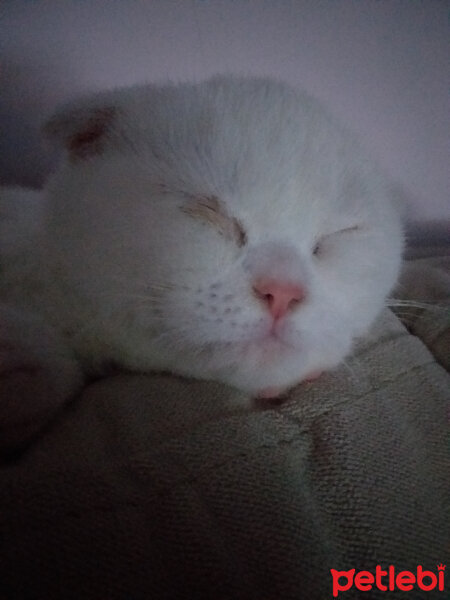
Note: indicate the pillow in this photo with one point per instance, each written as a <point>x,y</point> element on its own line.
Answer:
<point>159,487</point>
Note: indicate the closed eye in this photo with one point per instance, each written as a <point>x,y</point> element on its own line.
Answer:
<point>210,210</point>
<point>319,243</point>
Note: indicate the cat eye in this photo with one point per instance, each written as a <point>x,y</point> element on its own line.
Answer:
<point>211,211</point>
<point>316,249</point>
<point>318,245</point>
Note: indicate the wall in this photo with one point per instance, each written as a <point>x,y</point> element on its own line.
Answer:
<point>381,65</point>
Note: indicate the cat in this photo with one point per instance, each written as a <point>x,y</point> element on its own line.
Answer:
<point>227,230</point>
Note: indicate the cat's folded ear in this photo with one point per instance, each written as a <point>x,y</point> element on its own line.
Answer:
<point>84,129</point>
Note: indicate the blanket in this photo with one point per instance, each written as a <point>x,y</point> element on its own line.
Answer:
<point>154,487</point>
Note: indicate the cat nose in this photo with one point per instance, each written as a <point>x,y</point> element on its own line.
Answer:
<point>279,296</point>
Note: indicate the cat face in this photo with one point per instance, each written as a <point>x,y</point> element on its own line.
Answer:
<point>227,230</point>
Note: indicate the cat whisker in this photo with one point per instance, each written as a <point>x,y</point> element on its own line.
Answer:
<point>398,302</point>
<point>131,297</point>
<point>175,339</point>
<point>154,285</point>
<point>415,305</point>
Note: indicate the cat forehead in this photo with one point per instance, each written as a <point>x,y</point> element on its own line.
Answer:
<point>225,113</point>
<point>258,145</point>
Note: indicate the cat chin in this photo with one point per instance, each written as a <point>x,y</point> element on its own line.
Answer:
<point>271,371</point>
<point>253,367</point>
<point>278,394</point>
<point>266,378</point>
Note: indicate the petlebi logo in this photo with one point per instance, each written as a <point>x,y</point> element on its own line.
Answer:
<point>388,580</point>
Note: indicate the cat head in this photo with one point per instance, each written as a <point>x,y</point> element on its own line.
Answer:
<point>228,229</point>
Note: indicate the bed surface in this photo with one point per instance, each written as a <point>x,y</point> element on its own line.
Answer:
<point>159,487</point>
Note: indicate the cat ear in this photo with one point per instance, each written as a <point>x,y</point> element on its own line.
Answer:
<point>83,130</point>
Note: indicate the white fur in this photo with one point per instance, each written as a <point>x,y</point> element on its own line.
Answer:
<point>129,277</point>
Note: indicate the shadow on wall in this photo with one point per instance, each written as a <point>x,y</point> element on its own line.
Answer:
<point>29,93</point>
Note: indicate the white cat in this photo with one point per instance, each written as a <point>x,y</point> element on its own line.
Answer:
<point>226,230</point>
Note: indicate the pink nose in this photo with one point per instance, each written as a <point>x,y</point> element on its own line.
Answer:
<point>279,296</point>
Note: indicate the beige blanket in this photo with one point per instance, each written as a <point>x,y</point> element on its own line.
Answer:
<point>154,487</point>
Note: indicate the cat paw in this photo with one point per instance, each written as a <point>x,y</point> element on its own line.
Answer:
<point>270,397</point>
<point>312,376</point>
<point>37,375</point>
<point>270,393</point>
<point>31,394</point>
